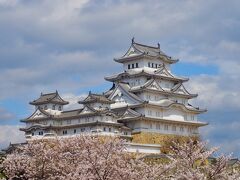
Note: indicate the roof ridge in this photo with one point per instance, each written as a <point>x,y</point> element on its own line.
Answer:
<point>72,110</point>
<point>49,94</point>
<point>146,45</point>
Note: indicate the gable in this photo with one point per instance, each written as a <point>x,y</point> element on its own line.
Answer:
<point>122,96</point>
<point>86,109</point>
<point>131,52</point>
<point>38,114</point>
<point>182,90</point>
<point>163,72</point>
<point>154,85</point>
<point>129,113</point>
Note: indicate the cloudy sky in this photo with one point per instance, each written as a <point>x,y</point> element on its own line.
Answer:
<point>69,45</point>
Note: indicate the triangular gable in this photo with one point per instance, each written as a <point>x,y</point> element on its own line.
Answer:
<point>132,51</point>
<point>121,95</point>
<point>129,113</point>
<point>39,113</point>
<point>163,72</point>
<point>152,84</point>
<point>57,98</point>
<point>87,109</point>
<point>179,88</point>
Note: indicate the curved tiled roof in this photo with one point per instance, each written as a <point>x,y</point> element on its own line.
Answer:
<point>146,51</point>
<point>145,72</point>
<point>49,98</point>
<point>96,98</point>
<point>173,91</point>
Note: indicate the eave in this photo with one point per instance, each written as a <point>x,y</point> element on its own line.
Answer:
<point>193,123</point>
<point>141,89</point>
<point>46,102</point>
<point>195,110</point>
<point>143,73</point>
<point>71,125</point>
<point>144,55</point>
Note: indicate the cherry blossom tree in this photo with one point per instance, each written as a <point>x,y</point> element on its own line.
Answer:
<point>193,162</point>
<point>106,158</point>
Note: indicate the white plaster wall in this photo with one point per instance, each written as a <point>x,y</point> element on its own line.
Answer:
<point>143,148</point>
<point>150,96</point>
<point>168,85</point>
<point>140,64</point>
<point>159,127</point>
<point>144,63</point>
<point>173,114</point>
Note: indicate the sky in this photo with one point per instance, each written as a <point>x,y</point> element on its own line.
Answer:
<point>69,46</point>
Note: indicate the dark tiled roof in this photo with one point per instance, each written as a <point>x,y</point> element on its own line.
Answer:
<point>96,98</point>
<point>49,98</point>
<point>150,50</point>
<point>145,50</point>
<point>145,72</point>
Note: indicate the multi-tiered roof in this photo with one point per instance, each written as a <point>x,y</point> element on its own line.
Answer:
<point>150,66</point>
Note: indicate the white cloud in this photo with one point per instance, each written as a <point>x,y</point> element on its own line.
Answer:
<point>11,134</point>
<point>213,93</point>
<point>73,101</point>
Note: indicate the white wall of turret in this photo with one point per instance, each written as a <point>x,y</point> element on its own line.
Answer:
<point>163,128</point>
<point>175,114</point>
<point>145,63</point>
<point>137,81</point>
<point>50,106</point>
<point>99,105</point>
<point>70,131</point>
<point>156,97</point>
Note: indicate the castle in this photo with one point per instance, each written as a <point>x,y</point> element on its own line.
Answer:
<point>145,98</point>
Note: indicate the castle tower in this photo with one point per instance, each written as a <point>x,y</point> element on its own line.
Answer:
<point>156,99</point>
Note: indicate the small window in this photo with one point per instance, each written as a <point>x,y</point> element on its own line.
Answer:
<point>166,127</point>
<point>185,117</point>
<point>104,128</point>
<point>192,117</point>
<point>182,129</point>
<point>68,121</point>
<point>132,65</point>
<point>152,65</point>
<point>40,133</point>
<point>59,108</point>
<point>125,133</point>
<point>129,66</point>
<point>45,107</point>
<point>156,65</point>
<point>53,107</point>
<point>32,134</point>
<point>65,132</point>
<point>82,129</point>
<point>149,112</point>
<point>136,65</point>
<point>149,64</point>
<point>150,125</point>
<point>110,129</point>
<point>74,131</point>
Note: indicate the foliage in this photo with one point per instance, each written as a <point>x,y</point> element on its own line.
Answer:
<point>92,158</point>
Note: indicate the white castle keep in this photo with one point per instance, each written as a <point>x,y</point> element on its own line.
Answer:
<point>145,98</point>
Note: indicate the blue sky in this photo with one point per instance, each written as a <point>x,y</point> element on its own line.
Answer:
<point>70,45</point>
